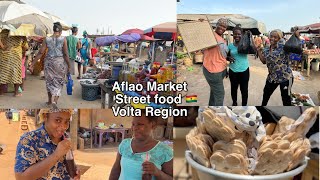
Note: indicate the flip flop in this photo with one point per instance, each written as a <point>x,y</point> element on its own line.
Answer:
<point>78,77</point>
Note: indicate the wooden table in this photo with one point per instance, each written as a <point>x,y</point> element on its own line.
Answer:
<point>309,58</point>
<point>102,131</point>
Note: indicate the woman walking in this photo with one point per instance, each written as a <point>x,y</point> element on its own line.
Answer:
<point>56,64</point>
<point>239,69</point>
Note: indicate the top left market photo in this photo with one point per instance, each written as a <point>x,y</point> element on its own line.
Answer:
<point>70,54</point>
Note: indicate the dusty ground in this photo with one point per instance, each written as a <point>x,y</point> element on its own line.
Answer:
<point>198,85</point>
<point>96,163</point>
<point>35,96</point>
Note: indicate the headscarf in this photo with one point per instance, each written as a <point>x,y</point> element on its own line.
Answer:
<point>279,32</point>
<point>43,112</point>
<point>223,21</point>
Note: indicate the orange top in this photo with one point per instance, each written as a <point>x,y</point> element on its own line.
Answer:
<point>213,60</point>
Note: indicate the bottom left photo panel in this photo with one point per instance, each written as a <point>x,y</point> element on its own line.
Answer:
<point>84,144</point>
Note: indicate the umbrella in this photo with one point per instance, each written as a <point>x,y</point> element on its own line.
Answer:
<point>24,30</point>
<point>54,18</point>
<point>166,31</point>
<point>246,22</point>
<point>43,25</point>
<point>7,26</point>
<point>138,31</point>
<point>11,10</point>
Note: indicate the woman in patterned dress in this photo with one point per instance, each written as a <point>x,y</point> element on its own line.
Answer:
<point>41,153</point>
<point>56,64</point>
<point>11,49</point>
<point>279,69</point>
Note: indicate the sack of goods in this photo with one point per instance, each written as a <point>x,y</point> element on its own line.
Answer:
<point>246,45</point>
<point>293,45</point>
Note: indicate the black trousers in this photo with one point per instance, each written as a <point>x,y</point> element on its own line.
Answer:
<point>285,88</point>
<point>242,79</point>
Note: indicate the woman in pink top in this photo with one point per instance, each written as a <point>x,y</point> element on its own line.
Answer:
<point>215,65</point>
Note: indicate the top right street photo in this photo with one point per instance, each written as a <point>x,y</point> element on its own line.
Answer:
<point>249,53</point>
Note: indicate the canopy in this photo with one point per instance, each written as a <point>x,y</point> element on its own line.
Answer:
<point>311,28</point>
<point>246,22</point>
<point>107,40</point>
<point>140,32</point>
<point>11,10</point>
<point>57,19</point>
<point>165,31</point>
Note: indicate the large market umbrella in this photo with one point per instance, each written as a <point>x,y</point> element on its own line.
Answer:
<point>7,26</point>
<point>54,18</point>
<point>11,10</point>
<point>138,31</point>
<point>43,25</point>
<point>166,31</point>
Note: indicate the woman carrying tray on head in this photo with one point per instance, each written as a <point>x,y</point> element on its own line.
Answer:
<point>279,69</point>
<point>142,157</point>
<point>56,64</point>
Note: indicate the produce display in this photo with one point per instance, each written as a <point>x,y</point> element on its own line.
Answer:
<point>235,140</point>
<point>301,99</point>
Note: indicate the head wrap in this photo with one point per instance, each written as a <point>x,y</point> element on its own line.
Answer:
<point>57,27</point>
<point>44,112</point>
<point>279,32</point>
<point>84,33</point>
<point>222,21</point>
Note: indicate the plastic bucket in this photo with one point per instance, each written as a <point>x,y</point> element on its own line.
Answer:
<point>205,173</point>
<point>116,71</point>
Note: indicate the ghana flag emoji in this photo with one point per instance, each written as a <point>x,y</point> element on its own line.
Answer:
<point>191,98</point>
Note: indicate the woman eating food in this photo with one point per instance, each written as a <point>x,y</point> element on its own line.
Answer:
<point>41,154</point>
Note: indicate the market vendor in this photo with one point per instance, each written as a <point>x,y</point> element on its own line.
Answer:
<point>215,65</point>
<point>279,69</point>
<point>141,156</point>
<point>41,153</point>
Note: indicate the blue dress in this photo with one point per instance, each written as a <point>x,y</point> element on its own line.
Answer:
<point>131,163</point>
<point>34,147</point>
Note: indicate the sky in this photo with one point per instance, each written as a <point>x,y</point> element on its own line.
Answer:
<point>117,15</point>
<point>275,14</point>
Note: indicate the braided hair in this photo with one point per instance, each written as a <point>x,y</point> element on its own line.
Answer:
<point>57,27</point>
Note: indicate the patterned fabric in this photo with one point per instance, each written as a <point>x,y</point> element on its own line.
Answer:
<point>55,46</point>
<point>52,110</point>
<point>131,163</point>
<point>11,59</point>
<point>278,64</point>
<point>34,147</point>
<point>55,67</point>
<point>55,71</point>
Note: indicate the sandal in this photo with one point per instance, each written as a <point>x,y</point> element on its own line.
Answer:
<point>78,77</point>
